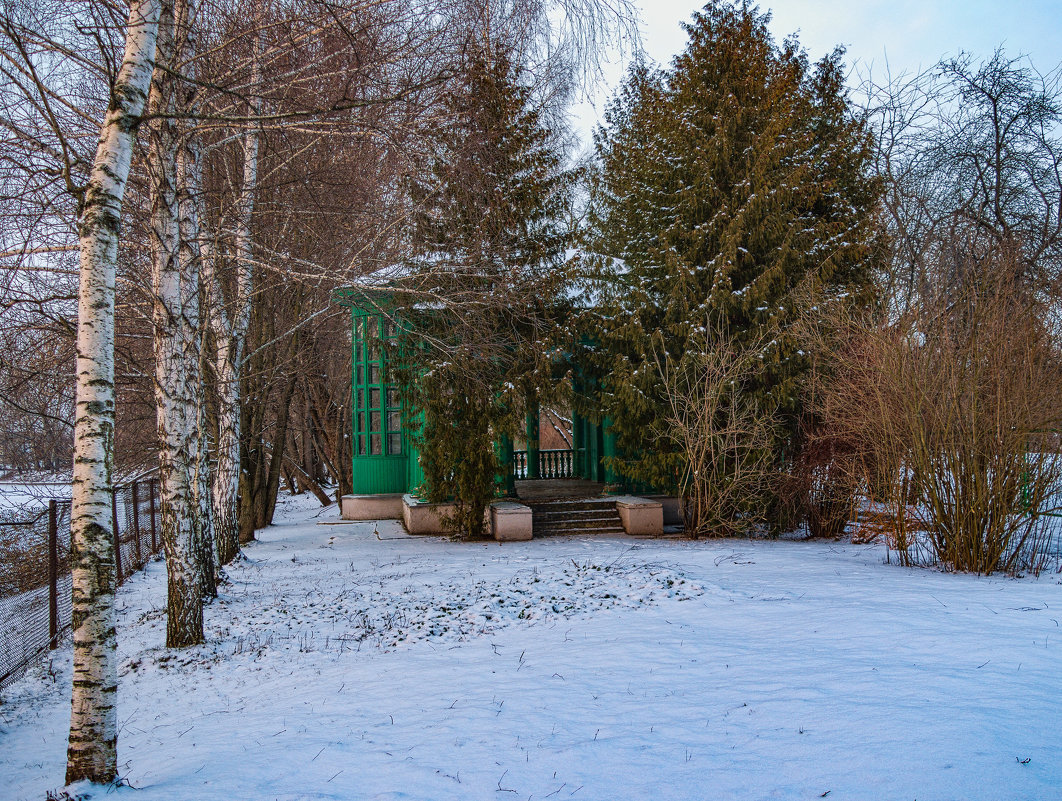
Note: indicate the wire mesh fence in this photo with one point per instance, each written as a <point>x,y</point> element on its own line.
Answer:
<point>35,579</point>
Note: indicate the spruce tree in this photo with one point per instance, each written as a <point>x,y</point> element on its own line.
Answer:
<point>723,184</point>
<point>488,239</point>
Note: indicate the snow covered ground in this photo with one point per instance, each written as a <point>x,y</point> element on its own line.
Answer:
<point>355,662</point>
<point>30,496</point>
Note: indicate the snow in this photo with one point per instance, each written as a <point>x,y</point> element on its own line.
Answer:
<point>352,661</point>
<point>31,496</point>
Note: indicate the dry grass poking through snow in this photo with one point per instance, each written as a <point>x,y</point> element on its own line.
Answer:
<point>387,610</point>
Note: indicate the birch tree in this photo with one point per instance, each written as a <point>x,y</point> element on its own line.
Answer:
<point>92,752</point>
<point>189,167</point>
<point>230,334</point>
<point>175,291</point>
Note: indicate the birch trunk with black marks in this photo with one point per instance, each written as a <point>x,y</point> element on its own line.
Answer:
<point>92,750</point>
<point>225,488</point>
<point>189,252</point>
<point>175,317</point>
<point>231,338</point>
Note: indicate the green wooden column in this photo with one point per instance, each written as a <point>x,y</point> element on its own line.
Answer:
<point>507,478</point>
<point>609,450</point>
<point>577,445</point>
<point>532,440</point>
<point>592,462</point>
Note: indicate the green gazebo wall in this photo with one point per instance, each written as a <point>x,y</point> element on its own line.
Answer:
<point>387,472</point>
<point>378,419</point>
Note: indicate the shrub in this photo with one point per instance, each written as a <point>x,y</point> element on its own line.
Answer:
<point>819,488</point>
<point>949,411</point>
<point>723,435</point>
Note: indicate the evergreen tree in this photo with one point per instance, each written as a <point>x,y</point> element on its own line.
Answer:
<point>723,185</point>
<point>489,238</point>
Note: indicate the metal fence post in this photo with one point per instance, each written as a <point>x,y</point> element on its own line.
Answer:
<point>136,525</point>
<point>152,486</point>
<point>117,538</point>
<point>53,575</point>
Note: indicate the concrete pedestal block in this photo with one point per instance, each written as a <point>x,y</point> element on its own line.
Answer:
<point>371,507</point>
<point>641,515</point>
<point>421,517</point>
<point>510,522</point>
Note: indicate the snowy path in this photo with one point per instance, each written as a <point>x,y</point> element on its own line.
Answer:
<point>342,665</point>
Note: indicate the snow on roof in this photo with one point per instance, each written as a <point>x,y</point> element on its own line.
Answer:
<point>592,278</point>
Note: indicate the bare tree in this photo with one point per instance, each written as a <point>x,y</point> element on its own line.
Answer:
<point>36,397</point>
<point>958,375</point>
<point>230,330</point>
<point>93,725</point>
<point>971,154</point>
<point>175,293</point>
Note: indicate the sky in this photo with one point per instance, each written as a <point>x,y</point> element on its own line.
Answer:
<point>901,35</point>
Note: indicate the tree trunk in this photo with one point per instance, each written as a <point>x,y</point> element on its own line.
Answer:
<point>310,482</point>
<point>175,317</point>
<point>231,338</point>
<point>92,751</point>
<point>189,256</point>
<point>276,460</point>
<point>250,470</point>
<point>227,471</point>
<point>343,439</point>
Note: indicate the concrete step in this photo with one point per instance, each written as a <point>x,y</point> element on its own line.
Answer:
<point>578,523</point>
<point>576,516</point>
<point>573,514</point>
<point>572,506</point>
<point>551,531</point>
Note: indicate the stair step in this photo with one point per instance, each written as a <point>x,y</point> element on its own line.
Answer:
<point>575,516</point>
<point>582,532</point>
<point>571,504</point>
<point>562,529</point>
<point>566,513</point>
<point>593,522</point>
<point>579,514</point>
<point>601,521</point>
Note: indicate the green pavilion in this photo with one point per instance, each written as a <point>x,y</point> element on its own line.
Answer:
<point>557,479</point>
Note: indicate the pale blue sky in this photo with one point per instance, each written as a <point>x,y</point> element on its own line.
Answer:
<point>907,34</point>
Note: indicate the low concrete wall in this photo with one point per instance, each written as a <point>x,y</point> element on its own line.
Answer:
<point>371,507</point>
<point>511,522</point>
<point>421,517</point>
<point>640,515</point>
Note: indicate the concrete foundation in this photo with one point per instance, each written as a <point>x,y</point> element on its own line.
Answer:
<point>421,517</point>
<point>371,507</point>
<point>641,516</point>
<point>510,522</point>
